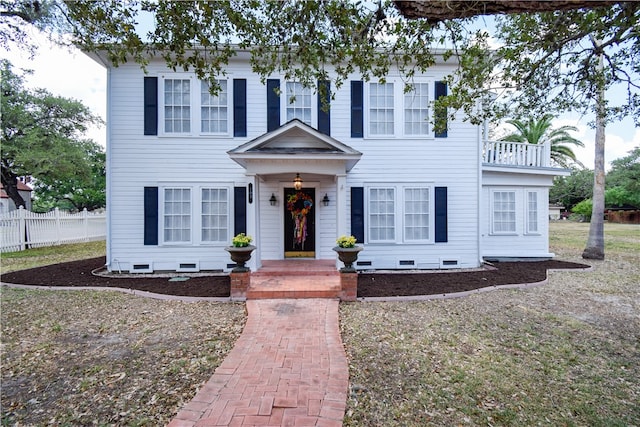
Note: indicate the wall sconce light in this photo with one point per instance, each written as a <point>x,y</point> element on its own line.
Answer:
<point>325,200</point>
<point>297,182</point>
<point>273,200</point>
<point>250,193</point>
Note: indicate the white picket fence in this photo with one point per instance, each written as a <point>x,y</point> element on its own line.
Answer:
<point>21,229</point>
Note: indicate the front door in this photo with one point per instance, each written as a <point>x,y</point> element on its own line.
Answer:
<point>299,223</point>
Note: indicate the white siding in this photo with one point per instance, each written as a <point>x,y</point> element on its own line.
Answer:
<point>519,244</point>
<point>136,161</point>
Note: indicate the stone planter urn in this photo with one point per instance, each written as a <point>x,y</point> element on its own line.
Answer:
<point>348,256</point>
<point>240,255</point>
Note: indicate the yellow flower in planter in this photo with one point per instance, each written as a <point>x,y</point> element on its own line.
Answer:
<point>241,240</point>
<point>346,241</point>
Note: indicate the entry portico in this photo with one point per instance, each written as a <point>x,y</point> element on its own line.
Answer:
<point>291,222</point>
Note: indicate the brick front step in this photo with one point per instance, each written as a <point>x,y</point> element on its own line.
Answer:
<point>293,294</point>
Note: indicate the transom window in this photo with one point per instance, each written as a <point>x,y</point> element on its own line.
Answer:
<point>381,109</point>
<point>215,215</point>
<point>504,212</point>
<point>177,215</point>
<point>416,214</point>
<point>298,101</point>
<point>177,105</point>
<point>416,110</point>
<point>214,115</point>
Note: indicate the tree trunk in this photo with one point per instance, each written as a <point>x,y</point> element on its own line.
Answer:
<point>10,185</point>
<point>595,242</point>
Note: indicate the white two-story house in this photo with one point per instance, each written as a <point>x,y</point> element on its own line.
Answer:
<point>186,171</point>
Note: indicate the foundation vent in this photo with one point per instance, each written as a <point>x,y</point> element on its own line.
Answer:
<point>188,267</point>
<point>140,267</point>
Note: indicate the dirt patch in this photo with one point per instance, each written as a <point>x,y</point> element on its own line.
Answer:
<point>78,273</point>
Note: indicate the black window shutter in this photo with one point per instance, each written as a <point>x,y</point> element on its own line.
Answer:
<point>239,210</point>
<point>239,107</point>
<point>324,104</point>
<point>357,105</point>
<point>441,113</point>
<point>150,215</point>
<point>273,105</point>
<point>357,213</point>
<point>150,105</point>
<point>441,214</point>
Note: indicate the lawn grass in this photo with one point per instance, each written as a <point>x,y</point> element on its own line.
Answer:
<point>38,257</point>
<point>566,353</point>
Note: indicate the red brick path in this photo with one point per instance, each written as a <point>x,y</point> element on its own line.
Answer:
<point>288,368</point>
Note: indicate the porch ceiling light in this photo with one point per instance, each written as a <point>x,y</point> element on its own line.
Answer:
<point>297,182</point>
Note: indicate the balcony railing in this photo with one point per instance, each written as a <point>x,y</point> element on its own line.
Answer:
<point>516,154</point>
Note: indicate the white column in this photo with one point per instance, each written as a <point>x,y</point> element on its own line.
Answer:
<point>253,198</point>
<point>341,205</point>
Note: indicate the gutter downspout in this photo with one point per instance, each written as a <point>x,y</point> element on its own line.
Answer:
<point>482,136</point>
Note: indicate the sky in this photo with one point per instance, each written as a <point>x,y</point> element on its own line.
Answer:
<point>72,74</point>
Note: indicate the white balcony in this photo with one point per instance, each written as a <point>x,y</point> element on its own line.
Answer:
<point>522,154</point>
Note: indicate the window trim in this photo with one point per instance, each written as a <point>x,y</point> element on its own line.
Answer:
<point>431,98</point>
<point>195,106</point>
<point>493,212</point>
<point>367,110</point>
<point>431,213</point>
<point>163,240</point>
<point>527,214</point>
<point>399,114</point>
<point>399,212</point>
<point>195,212</point>
<point>229,105</point>
<point>284,104</point>
<point>228,214</point>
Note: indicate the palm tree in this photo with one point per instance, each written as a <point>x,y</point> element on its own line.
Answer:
<point>539,132</point>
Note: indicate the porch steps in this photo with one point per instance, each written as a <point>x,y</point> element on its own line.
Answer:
<point>295,278</point>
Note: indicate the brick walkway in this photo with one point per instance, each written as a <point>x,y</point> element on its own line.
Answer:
<point>288,368</point>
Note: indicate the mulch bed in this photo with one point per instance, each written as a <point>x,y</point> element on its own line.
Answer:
<point>78,273</point>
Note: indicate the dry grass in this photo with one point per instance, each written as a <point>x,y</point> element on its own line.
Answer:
<point>567,353</point>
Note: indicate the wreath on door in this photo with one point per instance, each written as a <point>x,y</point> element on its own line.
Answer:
<point>299,213</point>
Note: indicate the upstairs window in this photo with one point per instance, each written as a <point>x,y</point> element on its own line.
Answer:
<point>381,109</point>
<point>298,102</point>
<point>214,110</point>
<point>177,105</point>
<point>416,110</point>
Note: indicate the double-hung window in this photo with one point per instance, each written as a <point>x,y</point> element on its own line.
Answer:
<point>417,214</point>
<point>177,105</point>
<point>196,215</point>
<point>298,102</point>
<point>416,110</point>
<point>177,215</point>
<point>190,109</point>
<point>381,109</point>
<point>382,217</point>
<point>214,109</point>
<point>400,213</point>
<point>215,215</point>
<point>532,212</point>
<point>504,212</point>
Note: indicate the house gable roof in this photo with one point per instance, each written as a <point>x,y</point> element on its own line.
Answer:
<point>295,141</point>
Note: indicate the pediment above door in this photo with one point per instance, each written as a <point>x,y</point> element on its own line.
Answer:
<point>295,146</point>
